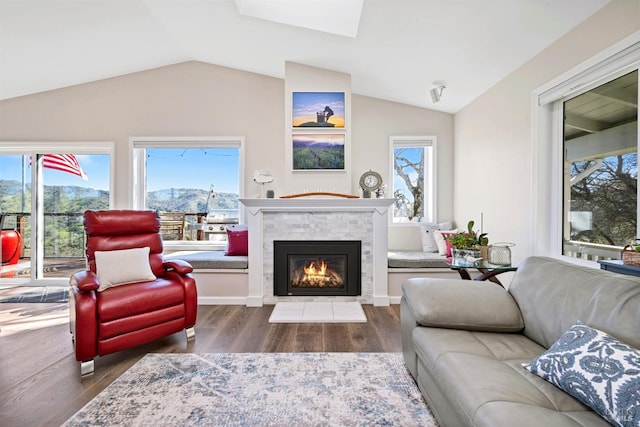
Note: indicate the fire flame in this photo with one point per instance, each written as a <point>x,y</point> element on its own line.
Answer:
<point>317,273</point>
<point>314,271</point>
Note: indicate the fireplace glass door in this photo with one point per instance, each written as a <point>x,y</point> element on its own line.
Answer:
<point>317,267</point>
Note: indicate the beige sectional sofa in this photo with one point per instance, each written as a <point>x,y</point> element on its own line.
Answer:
<point>465,344</point>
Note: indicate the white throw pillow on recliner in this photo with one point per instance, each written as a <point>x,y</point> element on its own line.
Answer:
<point>124,266</point>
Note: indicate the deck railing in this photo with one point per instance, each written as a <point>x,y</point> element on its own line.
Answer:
<point>591,251</point>
<point>64,232</point>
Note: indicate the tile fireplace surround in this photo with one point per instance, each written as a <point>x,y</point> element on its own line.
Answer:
<point>318,219</point>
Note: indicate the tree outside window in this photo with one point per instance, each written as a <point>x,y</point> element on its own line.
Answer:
<point>601,169</point>
<point>413,180</point>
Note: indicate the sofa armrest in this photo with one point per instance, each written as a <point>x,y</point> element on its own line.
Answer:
<point>84,280</point>
<point>462,304</point>
<point>179,266</point>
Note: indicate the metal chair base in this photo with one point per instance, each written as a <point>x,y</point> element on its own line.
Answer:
<point>86,368</point>
<point>191,333</point>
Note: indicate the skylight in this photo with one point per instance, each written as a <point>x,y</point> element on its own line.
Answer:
<point>340,17</point>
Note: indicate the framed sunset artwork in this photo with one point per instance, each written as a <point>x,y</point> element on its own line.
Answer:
<point>318,110</point>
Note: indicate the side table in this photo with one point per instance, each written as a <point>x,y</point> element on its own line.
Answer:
<point>488,271</point>
<point>617,266</point>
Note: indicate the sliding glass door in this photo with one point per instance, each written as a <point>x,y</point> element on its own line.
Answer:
<point>42,197</point>
<point>600,203</point>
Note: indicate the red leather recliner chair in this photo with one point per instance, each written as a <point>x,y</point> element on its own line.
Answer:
<point>127,315</point>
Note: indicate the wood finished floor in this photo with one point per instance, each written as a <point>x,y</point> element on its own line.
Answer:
<point>39,376</point>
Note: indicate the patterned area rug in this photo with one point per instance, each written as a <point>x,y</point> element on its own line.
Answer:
<point>265,389</point>
<point>49,294</point>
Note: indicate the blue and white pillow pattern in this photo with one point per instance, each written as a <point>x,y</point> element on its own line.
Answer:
<point>597,369</point>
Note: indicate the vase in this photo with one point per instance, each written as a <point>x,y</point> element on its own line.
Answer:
<point>465,257</point>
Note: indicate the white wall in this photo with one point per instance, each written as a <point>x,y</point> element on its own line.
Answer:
<point>188,99</point>
<point>493,147</point>
<point>374,120</point>
<point>198,99</point>
<point>302,78</point>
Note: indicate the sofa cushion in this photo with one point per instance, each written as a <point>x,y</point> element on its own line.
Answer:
<point>444,246</point>
<point>210,260</point>
<point>480,374</point>
<point>143,298</point>
<point>597,369</point>
<point>416,259</point>
<point>427,235</point>
<point>237,241</point>
<point>462,304</point>
<point>553,295</point>
<point>119,267</point>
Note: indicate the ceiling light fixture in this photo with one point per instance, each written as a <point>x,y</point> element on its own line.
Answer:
<point>436,92</point>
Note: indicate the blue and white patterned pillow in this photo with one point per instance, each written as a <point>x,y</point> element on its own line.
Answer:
<point>597,369</point>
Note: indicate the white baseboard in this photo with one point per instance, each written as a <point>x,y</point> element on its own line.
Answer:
<point>222,301</point>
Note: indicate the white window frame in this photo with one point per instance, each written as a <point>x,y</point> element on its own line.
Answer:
<point>430,180</point>
<point>547,155</point>
<point>138,144</point>
<point>33,148</point>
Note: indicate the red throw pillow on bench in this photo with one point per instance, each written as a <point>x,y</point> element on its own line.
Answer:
<point>237,242</point>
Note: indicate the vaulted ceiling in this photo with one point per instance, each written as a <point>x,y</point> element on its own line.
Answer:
<point>400,48</point>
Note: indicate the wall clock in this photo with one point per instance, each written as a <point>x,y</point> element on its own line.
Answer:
<point>370,181</point>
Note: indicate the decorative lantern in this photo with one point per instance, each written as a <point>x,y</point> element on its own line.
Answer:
<point>500,254</point>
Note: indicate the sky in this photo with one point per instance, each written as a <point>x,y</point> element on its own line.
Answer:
<point>166,168</point>
<point>327,138</point>
<point>307,104</point>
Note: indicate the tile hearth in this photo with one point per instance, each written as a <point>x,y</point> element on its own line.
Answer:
<point>318,312</point>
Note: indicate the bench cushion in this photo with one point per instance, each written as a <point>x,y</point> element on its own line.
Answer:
<point>202,260</point>
<point>416,259</point>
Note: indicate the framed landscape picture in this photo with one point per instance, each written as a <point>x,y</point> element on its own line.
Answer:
<point>318,110</point>
<point>314,151</point>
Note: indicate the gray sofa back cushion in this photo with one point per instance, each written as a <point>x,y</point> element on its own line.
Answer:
<point>553,294</point>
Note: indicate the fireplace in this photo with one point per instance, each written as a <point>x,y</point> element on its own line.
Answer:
<point>317,267</point>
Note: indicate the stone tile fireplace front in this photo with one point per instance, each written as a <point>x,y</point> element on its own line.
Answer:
<point>315,219</point>
<point>317,267</point>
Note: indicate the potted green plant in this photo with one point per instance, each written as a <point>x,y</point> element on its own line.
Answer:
<point>467,245</point>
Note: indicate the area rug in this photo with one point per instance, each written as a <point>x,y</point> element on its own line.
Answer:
<point>317,312</point>
<point>48,294</point>
<point>260,389</point>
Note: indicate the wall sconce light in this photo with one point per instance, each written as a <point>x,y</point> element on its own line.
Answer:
<point>436,92</point>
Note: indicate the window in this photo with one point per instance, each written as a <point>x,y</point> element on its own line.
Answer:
<point>194,183</point>
<point>601,168</point>
<point>586,157</point>
<point>44,189</point>
<point>413,178</point>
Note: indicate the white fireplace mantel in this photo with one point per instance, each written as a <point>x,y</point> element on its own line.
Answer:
<point>316,204</point>
<point>373,211</point>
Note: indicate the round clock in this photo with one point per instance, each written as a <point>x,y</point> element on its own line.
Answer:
<point>370,181</point>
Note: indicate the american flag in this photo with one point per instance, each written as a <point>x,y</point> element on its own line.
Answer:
<point>65,163</point>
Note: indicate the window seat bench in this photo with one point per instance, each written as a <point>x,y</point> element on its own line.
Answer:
<point>415,259</point>
<point>224,279</point>
<point>210,260</point>
<point>221,279</point>
<point>406,264</point>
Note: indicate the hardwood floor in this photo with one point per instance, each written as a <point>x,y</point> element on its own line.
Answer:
<point>39,377</point>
